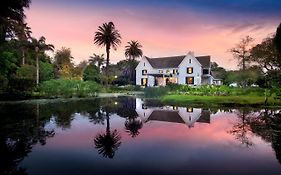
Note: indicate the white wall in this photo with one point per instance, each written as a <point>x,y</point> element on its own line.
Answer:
<point>143,64</point>
<point>197,70</point>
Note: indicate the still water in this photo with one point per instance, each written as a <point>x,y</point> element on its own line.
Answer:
<point>127,135</point>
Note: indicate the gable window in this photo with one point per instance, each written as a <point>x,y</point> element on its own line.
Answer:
<point>189,70</point>
<point>144,72</point>
<point>189,80</point>
<point>189,60</point>
<point>144,81</point>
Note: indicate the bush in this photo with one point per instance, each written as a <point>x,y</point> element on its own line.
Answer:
<point>26,72</point>
<point>68,88</point>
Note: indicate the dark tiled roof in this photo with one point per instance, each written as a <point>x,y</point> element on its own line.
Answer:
<point>166,116</point>
<point>204,61</point>
<point>166,62</point>
<point>205,117</point>
<point>174,61</point>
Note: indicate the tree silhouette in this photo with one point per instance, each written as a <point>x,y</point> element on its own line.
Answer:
<point>109,37</point>
<point>108,143</point>
<point>133,125</point>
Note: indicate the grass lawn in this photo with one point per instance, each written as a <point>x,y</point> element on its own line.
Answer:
<point>219,100</point>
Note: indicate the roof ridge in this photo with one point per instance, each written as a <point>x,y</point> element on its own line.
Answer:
<point>165,56</point>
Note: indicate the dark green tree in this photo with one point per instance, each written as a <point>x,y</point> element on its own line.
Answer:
<point>11,14</point>
<point>277,39</point>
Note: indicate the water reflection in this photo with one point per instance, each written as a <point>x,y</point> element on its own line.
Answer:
<point>120,125</point>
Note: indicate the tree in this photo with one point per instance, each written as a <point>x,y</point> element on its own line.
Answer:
<point>133,50</point>
<point>109,37</point>
<point>40,47</point>
<point>277,39</point>
<point>63,63</point>
<point>23,33</point>
<point>266,56</point>
<point>242,52</point>
<point>11,14</point>
<point>91,73</point>
<point>97,60</point>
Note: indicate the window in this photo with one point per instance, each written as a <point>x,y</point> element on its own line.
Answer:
<point>144,81</point>
<point>189,109</point>
<point>144,72</point>
<point>161,72</point>
<point>175,71</point>
<point>189,70</point>
<point>168,71</point>
<point>143,64</point>
<point>189,80</point>
<point>189,60</point>
<point>205,71</point>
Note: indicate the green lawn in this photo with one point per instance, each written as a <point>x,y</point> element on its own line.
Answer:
<point>219,100</point>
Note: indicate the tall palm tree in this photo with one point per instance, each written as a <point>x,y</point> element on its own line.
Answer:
<point>97,60</point>
<point>109,142</point>
<point>40,47</point>
<point>23,33</point>
<point>11,13</point>
<point>109,37</point>
<point>133,50</point>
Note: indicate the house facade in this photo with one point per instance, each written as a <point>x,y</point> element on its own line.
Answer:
<point>185,69</point>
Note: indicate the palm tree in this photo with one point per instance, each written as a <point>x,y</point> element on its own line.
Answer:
<point>97,60</point>
<point>133,125</point>
<point>23,33</point>
<point>40,47</point>
<point>109,142</point>
<point>107,36</point>
<point>133,50</point>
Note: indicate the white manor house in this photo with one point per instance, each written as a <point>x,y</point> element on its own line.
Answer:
<point>186,69</point>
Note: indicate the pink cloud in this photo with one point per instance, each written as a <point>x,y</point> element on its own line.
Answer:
<point>162,33</point>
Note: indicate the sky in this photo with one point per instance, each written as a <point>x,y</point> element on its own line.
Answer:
<point>163,27</point>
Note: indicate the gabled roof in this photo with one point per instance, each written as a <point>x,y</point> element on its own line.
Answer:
<point>205,61</point>
<point>166,62</point>
<point>166,116</point>
<point>174,61</point>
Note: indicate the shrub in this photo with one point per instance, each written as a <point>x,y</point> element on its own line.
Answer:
<point>68,88</point>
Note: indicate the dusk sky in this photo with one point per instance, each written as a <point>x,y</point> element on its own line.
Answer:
<point>164,28</point>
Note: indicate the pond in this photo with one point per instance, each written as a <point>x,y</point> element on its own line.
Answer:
<point>127,135</point>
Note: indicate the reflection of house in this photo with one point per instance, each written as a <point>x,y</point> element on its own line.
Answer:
<point>185,69</point>
<point>183,115</point>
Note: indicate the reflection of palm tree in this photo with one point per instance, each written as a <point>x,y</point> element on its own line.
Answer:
<point>133,125</point>
<point>108,143</point>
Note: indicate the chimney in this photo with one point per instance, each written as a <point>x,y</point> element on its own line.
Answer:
<point>191,53</point>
